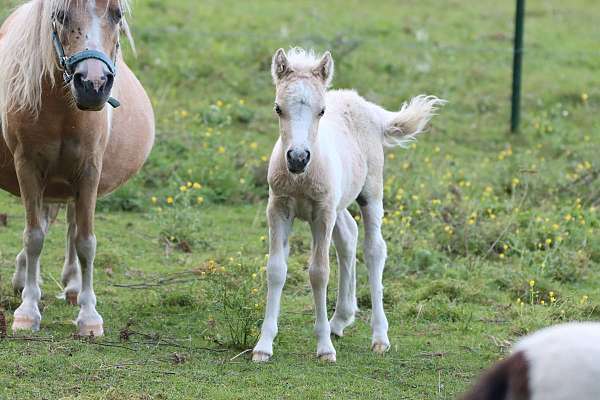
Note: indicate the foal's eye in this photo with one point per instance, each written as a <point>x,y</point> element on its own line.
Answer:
<point>322,112</point>
<point>278,109</point>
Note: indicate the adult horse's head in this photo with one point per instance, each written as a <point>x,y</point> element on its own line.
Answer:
<point>301,80</point>
<point>85,36</point>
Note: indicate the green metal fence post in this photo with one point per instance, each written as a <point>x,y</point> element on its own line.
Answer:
<point>517,64</point>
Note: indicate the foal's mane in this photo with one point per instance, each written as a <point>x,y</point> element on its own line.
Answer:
<point>27,55</point>
<point>302,60</point>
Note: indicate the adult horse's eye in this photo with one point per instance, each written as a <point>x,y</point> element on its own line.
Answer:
<point>322,112</point>
<point>116,15</point>
<point>278,109</point>
<point>61,17</point>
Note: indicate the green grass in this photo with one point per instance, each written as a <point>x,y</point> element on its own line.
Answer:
<point>473,213</point>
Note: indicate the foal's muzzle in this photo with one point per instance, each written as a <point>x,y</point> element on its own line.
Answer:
<point>297,160</point>
<point>92,83</point>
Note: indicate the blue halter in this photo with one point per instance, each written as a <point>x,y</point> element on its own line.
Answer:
<point>68,64</point>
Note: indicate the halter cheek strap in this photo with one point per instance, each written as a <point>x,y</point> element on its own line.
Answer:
<point>68,64</point>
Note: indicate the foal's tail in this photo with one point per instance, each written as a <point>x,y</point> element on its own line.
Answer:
<point>406,124</point>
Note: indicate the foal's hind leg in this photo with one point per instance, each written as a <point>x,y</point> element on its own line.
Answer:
<point>71,274</point>
<point>345,237</point>
<point>375,254</point>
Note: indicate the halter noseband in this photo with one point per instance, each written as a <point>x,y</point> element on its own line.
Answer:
<point>68,64</point>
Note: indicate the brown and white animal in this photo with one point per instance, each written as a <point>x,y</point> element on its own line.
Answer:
<point>60,64</point>
<point>329,154</point>
<point>557,363</point>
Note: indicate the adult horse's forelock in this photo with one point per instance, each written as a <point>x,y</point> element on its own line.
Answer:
<point>27,55</point>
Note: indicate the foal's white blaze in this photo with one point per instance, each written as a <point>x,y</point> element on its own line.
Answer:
<point>301,116</point>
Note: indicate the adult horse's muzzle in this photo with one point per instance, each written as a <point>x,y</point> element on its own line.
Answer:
<point>91,85</point>
<point>92,74</point>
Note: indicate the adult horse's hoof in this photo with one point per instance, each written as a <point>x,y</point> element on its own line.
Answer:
<point>329,357</point>
<point>71,297</point>
<point>380,347</point>
<point>22,322</point>
<point>91,330</point>
<point>260,357</point>
<point>89,323</point>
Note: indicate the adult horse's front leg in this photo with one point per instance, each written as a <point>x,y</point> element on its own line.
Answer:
<point>27,316</point>
<point>322,228</point>
<point>280,225</point>
<point>89,322</point>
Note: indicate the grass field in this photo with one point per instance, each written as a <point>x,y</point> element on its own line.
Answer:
<point>490,235</point>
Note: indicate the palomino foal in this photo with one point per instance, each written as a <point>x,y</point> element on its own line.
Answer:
<point>329,154</point>
<point>59,65</point>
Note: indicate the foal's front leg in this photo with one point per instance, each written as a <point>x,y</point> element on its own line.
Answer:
<point>89,322</point>
<point>280,225</point>
<point>322,228</point>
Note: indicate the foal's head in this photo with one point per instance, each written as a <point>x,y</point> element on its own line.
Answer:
<point>89,25</point>
<point>301,80</point>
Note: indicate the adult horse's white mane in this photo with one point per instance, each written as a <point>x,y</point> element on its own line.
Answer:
<point>27,55</point>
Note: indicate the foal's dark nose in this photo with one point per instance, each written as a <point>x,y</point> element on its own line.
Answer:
<point>92,82</point>
<point>297,160</point>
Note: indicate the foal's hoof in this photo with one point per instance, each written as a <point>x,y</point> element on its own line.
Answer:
<point>329,357</point>
<point>339,324</point>
<point>260,357</point>
<point>380,347</point>
<point>25,323</point>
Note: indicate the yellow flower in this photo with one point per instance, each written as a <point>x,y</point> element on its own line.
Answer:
<point>196,185</point>
<point>219,103</point>
<point>263,238</point>
<point>531,283</point>
<point>183,113</point>
<point>253,145</point>
<point>183,188</point>
<point>568,217</point>
<point>189,184</point>
<point>242,102</point>
<point>391,156</point>
<point>199,199</point>
<point>584,97</point>
<point>221,150</point>
<point>548,241</point>
<point>170,200</point>
<point>153,199</point>
<point>264,158</point>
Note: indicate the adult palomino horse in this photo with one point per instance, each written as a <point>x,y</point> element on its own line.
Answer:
<point>60,64</point>
<point>330,153</point>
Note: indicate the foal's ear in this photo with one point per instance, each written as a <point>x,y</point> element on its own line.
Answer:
<point>324,70</point>
<point>280,66</point>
